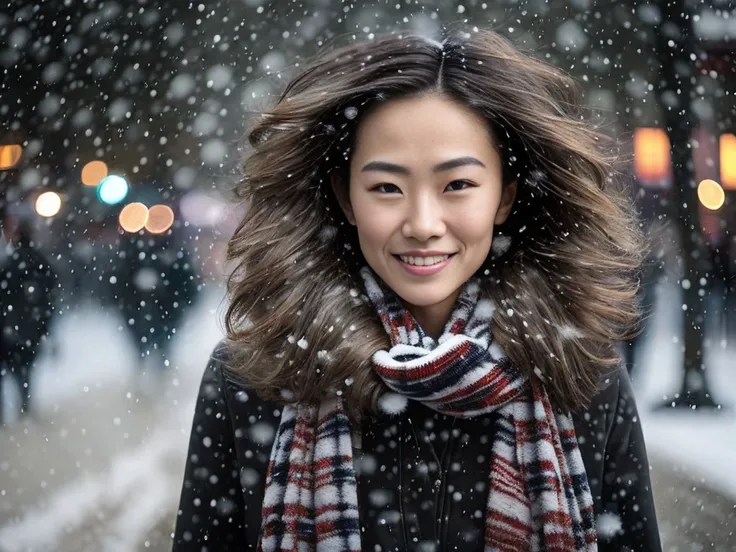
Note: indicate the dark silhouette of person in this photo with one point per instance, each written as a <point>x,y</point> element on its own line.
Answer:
<point>27,295</point>
<point>156,284</point>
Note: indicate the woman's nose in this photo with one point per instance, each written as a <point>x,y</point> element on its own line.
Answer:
<point>424,220</point>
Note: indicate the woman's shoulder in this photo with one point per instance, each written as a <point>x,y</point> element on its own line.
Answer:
<point>613,406</point>
<point>222,369</point>
<point>223,379</point>
<point>616,391</point>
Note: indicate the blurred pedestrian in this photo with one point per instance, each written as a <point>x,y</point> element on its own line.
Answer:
<point>430,282</point>
<point>27,295</point>
<point>154,284</point>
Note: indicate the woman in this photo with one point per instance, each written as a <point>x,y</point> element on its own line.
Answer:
<point>431,278</point>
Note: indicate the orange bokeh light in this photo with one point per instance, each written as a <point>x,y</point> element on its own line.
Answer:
<point>728,161</point>
<point>651,154</point>
<point>10,156</point>
<point>93,172</point>
<point>133,217</point>
<point>160,219</point>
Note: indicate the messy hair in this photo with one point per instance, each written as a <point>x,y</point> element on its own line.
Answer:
<point>565,285</point>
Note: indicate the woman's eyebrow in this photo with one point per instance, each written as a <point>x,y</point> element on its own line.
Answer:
<point>384,166</point>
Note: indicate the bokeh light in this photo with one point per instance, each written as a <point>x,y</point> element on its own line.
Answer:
<point>112,189</point>
<point>93,173</point>
<point>198,208</point>
<point>133,217</point>
<point>48,204</point>
<point>711,195</point>
<point>10,156</point>
<point>160,219</point>
<point>728,161</point>
<point>651,154</point>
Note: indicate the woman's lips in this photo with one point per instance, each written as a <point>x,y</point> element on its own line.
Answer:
<point>424,270</point>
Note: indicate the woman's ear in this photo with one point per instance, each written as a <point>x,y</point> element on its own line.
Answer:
<point>340,189</point>
<point>508,195</point>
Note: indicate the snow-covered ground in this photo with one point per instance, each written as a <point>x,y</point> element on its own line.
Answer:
<point>102,464</point>
<point>702,444</point>
<point>94,353</point>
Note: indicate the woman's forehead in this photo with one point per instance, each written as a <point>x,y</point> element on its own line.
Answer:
<point>426,129</point>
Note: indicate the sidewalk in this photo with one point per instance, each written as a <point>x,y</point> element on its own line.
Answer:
<point>692,516</point>
<point>100,474</point>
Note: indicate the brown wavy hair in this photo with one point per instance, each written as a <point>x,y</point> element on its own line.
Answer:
<point>566,285</point>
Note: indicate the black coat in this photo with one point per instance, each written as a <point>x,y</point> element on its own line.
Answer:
<point>27,297</point>
<point>421,475</point>
<point>156,285</point>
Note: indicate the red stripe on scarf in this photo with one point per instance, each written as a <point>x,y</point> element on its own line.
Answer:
<point>424,371</point>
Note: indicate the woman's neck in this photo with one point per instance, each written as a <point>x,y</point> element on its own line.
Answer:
<point>433,318</point>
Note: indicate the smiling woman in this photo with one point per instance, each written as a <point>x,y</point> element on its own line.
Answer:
<point>430,282</point>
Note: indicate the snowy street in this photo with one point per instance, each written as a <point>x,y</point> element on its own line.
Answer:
<point>101,467</point>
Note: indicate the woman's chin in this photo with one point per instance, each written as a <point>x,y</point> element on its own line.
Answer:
<point>427,295</point>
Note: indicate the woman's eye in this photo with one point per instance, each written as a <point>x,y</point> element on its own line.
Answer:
<point>387,188</point>
<point>457,185</point>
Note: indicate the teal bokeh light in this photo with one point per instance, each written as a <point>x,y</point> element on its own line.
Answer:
<point>112,189</point>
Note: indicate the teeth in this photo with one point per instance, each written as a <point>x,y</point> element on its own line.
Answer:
<point>423,261</point>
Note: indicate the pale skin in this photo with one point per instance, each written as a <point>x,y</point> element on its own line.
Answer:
<point>425,178</point>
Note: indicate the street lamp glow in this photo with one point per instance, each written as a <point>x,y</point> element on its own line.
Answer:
<point>711,195</point>
<point>48,204</point>
<point>112,189</point>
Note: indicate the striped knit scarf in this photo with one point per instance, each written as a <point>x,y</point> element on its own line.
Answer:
<point>539,498</point>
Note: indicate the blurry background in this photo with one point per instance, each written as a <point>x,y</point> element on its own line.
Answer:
<point>121,127</point>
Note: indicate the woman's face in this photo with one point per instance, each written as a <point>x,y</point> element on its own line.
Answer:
<point>424,194</point>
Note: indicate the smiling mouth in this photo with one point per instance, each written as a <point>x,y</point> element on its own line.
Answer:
<point>423,261</point>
